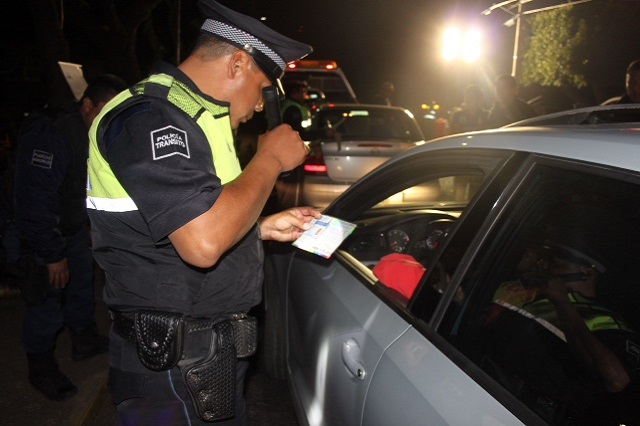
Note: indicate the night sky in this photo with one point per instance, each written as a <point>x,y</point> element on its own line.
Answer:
<point>372,40</point>
<point>399,41</point>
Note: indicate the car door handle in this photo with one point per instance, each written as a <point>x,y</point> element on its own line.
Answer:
<point>351,358</point>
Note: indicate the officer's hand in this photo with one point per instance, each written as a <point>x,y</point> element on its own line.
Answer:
<point>285,145</point>
<point>58,274</point>
<point>287,225</point>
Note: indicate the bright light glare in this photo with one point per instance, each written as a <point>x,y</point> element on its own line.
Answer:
<point>461,45</point>
<point>471,46</point>
<point>451,44</point>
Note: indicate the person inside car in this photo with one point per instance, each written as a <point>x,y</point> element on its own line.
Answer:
<point>556,345</point>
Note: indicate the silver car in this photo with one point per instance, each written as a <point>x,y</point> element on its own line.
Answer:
<point>508,294</point>
<point>347,141</point>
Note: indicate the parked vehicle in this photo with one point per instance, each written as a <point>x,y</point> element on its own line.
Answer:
<point>324,76</point>
<point>498,215</point>
<point>347,141</point>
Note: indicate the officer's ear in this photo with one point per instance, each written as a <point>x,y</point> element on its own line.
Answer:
<point>239,62</point>
<point>86,104</point>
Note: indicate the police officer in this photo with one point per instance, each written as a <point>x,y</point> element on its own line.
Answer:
<point>294,111</point>
<point>176,223</point>
<point>50,181</point>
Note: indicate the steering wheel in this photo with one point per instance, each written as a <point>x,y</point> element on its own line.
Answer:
<point>427,241</point>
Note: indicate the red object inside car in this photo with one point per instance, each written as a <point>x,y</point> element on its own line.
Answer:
<point>400,272</point>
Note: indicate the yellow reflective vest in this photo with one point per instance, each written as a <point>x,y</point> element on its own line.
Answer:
<point>104,192</point>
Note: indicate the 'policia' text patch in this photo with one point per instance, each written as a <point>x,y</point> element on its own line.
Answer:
<point>169,141</point>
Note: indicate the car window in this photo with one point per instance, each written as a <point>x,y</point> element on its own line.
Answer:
<point>405,226</point>
<point>366,124</point>
<point>549,308</point>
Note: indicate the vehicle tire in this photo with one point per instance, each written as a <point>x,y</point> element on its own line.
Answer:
<point>273,344</point>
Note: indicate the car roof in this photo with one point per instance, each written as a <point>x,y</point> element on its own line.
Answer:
<point>613,146</point>
<point>599,115</point>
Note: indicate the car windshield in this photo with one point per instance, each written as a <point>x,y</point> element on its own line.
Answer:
<point>444,192</point>
<point>367,124</point>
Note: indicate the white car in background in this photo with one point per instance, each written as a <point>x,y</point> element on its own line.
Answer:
<point>365,342</point>
<point>347,141</point>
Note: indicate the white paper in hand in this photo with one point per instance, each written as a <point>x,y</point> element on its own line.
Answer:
<point>325,235</point>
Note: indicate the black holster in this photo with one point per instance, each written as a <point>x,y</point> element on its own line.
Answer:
<point>212,380</point>
<point>204,350</point>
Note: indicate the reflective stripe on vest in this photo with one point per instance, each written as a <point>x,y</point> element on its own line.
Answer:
<point>596,318</point>
<point>104,191</point>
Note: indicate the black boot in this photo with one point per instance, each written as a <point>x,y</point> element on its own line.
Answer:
<point>45,376</point>
<point>86,342</point>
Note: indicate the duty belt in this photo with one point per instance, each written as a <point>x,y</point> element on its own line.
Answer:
<point>156,332</point>
<point>205,350</point>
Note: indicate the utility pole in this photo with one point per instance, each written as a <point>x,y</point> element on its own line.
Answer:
<point>516,19</point>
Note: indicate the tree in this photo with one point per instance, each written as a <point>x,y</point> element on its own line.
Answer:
<point>550,59</point>
<point>585,46</point>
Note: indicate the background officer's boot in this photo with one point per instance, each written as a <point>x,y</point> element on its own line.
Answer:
<point>86,342</point>
<point>45,376</point>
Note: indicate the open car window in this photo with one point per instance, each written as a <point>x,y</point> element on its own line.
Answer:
<point>402,228</point>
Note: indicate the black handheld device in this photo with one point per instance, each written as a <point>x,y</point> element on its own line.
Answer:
<point>272,112</point>
<point>271,107</point>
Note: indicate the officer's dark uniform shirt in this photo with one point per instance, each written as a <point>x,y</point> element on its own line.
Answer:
<point>50,180</point>
<point>143,270</point>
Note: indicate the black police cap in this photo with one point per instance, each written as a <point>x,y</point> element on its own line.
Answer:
<point>270,50</point>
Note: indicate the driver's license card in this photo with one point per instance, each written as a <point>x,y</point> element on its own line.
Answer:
<point>325,235</point>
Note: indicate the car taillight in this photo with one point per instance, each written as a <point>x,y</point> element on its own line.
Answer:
<point>314,164</point>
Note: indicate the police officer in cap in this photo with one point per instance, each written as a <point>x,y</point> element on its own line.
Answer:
<point>176,223</point>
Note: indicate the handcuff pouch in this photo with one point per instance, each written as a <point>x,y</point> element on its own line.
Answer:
<point>159,337</point>
<point>245,333</point>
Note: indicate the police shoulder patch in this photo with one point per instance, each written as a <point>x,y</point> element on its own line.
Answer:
<point>169,141</point>
<point>41,159</point>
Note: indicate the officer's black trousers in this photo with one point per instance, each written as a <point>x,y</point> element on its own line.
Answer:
<point>145,397</point>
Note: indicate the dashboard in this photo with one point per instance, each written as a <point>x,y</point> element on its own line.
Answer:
<point>417,233</point>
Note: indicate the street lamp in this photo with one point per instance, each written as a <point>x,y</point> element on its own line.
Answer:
<point>515,19</point>
<point>464,45</point>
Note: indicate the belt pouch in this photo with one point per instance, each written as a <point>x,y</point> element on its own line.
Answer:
<point>159,337</point>
<point>212,381</point>
<point>245,334</point>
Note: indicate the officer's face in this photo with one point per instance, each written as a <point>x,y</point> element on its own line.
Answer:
<point>248,97</point>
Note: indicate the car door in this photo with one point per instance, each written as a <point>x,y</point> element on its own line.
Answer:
<point>488,357</point>
<point>340,321</point>
<point>338,329</point>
